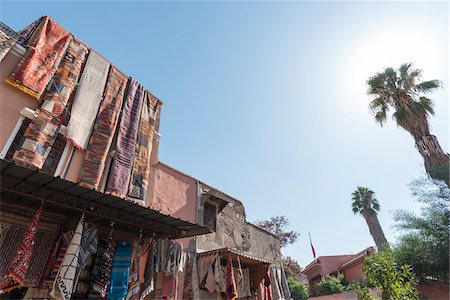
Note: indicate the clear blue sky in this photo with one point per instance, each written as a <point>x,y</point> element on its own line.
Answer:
<point>266,100</point>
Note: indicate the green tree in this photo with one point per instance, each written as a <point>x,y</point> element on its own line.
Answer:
<point>277,226</point>
<point>401,91</point>
<point>299,289</point>
<point>382,271</point>
<point>365,204</point>
<point>425,240</point>
<point>332,284</point>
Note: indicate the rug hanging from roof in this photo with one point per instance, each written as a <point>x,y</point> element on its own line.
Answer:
<point>103,275</point>
<point>104,128</point>
<point>118,284</point>
<point>8,38</point>
<point>21,262</point>
<point>64,282</point>
<point>119,176</point>
<point>26,33</point>
<point>87,100</point>
<point>40,135</point>
<point>41,60</point>
<point>141,164</point>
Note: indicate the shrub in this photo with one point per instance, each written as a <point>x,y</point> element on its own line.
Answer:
<point>332,284</point>
<point>299,289</point>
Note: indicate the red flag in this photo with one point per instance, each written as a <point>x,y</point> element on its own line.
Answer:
<point>312,247</point>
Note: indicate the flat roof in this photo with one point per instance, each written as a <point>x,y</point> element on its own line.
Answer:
<point>25,187</point>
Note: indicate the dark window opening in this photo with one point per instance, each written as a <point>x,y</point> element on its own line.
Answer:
<point>210,215</point>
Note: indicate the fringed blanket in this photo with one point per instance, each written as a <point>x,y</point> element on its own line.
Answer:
<point>141,165</point>
<point>87,100</point>
<point>120,270</point>
<point>41,59</point>
<point>148,284</point>
<point>104,128</point>
<point>64,282</point>
<point>40,135</point>
<point>8,38</point>
<point>230,282</point>
<point>126,140</point>
<point>21,262</point>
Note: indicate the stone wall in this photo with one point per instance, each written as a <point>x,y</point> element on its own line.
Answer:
<point>233,231</point>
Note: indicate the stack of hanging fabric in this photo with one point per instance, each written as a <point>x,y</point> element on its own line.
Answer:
<point>87,100</point>
<point>119,176</point>
<point>103,130</point>
<point>42,58</point>
<point>141,164</point>
<point>43,130</point>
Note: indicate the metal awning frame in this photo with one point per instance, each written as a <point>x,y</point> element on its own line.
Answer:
<point>26,187</point>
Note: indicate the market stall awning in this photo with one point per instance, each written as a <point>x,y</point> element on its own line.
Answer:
<point>23,187</point>
<point>244,258</point>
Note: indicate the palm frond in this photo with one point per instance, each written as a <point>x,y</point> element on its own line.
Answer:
<point>428,86</point>
<point>403,72</point>
<point>400,115</point>
<point>427,104</point>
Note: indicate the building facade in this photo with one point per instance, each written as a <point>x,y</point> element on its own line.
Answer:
<point>84,195</point>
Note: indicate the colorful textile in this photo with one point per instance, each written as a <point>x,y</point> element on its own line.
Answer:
<point>204,264</point>
<point>103,131</point>
<point>119,176</point>
<point>8,38</point>
<point>187,287</point>
<point>89,243</point>
<point>104,271</point>
<point>120,270</point>
<point>59,259</point>
<point>169,287</point>
<point>148,284</point>
<point>133,278</point>
<point>231,283</point>
<point>87,100</point>
<point>141,165</point>
<point>98,262</point>
<point>41,60</point>
<point>26,33</point>
<point>40,135</point>
<point>64,282</point>
<point>21,262</point>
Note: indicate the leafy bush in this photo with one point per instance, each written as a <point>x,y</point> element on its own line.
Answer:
<point>382,271</point>
<point>332,284</point>
<point>299,289</point>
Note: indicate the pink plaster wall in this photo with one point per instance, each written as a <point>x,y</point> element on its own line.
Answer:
<point>174,193</point>
<point>11,99</point>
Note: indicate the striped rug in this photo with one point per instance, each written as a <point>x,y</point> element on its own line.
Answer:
<point>126,140</point>
<point>41,60</point>
<point>40,135</point>
<point>104,128</point>
<point>8,38</point>
<point>87,100</point>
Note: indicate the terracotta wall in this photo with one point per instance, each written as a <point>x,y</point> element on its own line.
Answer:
<point>354,273</point>
<point>434,291</point>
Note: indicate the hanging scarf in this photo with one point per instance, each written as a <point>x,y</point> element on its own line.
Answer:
<point>87,100</point>
<point>133,279</point>
<point>41,60</point>
<point>120,270</point>
<point>119,176</point>
<point>64,282</point>
<point>231,283</point>
<point>103,131</point>
<point>148,286</point>
<point>21,261</point>
<point>40,135</point>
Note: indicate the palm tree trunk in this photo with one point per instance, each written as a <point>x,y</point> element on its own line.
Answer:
<point>376,231</point>
<point>437,162</point>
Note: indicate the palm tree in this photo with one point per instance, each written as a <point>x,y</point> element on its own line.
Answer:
<point>365,204</point>
<point>401,90</point>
